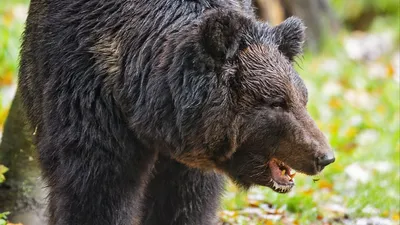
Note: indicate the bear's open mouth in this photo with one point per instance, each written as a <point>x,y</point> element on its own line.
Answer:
<point>282,180</point>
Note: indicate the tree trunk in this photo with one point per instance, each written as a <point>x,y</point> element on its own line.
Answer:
<point>22,194</point>
<point>316,14</point>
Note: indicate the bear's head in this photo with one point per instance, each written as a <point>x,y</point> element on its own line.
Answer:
<point>245,108</point>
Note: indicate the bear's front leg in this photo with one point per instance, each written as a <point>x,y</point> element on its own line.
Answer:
<point>179,195</point>
<point>91,184</point>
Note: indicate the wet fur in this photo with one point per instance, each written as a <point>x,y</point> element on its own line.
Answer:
<point>136,104</point>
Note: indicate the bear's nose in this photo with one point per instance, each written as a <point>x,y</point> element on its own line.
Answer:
<point>326,159</point>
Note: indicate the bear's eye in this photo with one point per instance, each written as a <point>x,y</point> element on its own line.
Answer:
<point>278,104</point>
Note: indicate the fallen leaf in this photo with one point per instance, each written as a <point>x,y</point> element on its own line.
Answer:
<point>396,216</point>
<point>325,184</point>
<point>308,192</point>
<point>7,78</point>
<point>335,103</point>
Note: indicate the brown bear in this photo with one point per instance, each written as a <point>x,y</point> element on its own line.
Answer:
<point>140,107</point>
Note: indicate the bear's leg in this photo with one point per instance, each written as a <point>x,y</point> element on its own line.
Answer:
<point>95,186</point>
<point>178,195</point>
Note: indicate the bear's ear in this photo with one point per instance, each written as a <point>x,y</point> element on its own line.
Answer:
<point>221,33</point>
<point>290,36</point>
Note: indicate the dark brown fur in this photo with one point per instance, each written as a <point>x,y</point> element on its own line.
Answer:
<point>139,106</point>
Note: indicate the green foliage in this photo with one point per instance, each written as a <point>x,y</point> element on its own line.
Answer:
<point>11,26</point>
<point>361,6</point>
<point>3,170</point>
<point>3,218</point>
<point>12,16</point>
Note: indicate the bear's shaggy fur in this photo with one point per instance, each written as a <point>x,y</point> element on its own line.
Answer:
<point>139,107</point>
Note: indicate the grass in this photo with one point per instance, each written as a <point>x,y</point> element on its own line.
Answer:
<point>359,113</point>
<point>11,26</point>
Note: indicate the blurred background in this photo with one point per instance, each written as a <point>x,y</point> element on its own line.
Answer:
<point>351,67</point>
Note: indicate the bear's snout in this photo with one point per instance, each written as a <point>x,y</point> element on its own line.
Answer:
<point>325,159</point>
<point>321,149</point>
<point>304,147</point>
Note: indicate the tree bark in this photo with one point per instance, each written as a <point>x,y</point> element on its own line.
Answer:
<point>23,193</point>
<point>316,14</point>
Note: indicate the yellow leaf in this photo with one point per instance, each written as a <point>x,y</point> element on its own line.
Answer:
<point>335,103</point>
<point>334,128</point>
<point>390,70</point>
<point>381,109</point>
<point>348,147</point>
<point>8,18</point>
<point>268,222</point>
<point>308,192</point>
<point>396,217</point>
<point>351,132</point>
<point>6,79</point>
<point>254,203</point>
<point>325,184</point>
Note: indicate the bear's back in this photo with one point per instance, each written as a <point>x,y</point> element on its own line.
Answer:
<point>75,49</point>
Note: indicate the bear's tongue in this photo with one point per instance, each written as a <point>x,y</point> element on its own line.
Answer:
<point>280,172</point>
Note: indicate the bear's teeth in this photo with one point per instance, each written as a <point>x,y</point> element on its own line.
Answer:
<point>291,173</point>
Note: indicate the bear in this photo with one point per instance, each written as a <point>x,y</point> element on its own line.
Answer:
<point>142,108</point>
